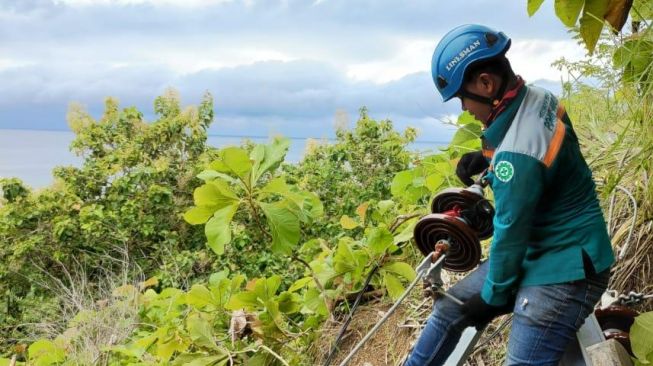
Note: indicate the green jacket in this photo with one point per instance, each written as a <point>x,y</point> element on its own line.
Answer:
<point>547,211</point>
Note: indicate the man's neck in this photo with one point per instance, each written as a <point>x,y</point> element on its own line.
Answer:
<point>513,82</point>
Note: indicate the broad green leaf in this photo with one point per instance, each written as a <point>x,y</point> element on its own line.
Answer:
<point>276,186</point>
<point>348,223</point>
<point>237,281</point>
<point>129,350</point>
<point>314,302</point>
<point>466,118</point>
<point>145,342</point>
<point>284,226</point>
<point>384,206</point>
<point>445,168</point>
<point>324,272</point>
<point>237,161</point>
<point>379,239</point>
<point>45,352</point>
<point>591,23</point>
<point>344,260</point>
<point>274,155</point>
<point>260,358</point>
<point>289,303</point>
<point>214,194</point>
<point>273,313</point>
<point>300,283</point>
<point>257,156</point>
<point>641,333</point>
<point>393,285</point>
<point>311,206</point>
<point>217,277</point>
<point>200,330</point>
<point>243,300</point>
<point>7,362</point>
<point>305,205</point>
<point>469,132</point>
<point>218,228</point>
<point>434,181</point>
<point>199,296</point>
<point>224,288</point>
<point>568,11</point>
<point>198,359</point>
<point>400,181</point>
<point>225,189</point>
<point>209,174</point>
<point>407,232</point>
<point>165,349</point>
<point>198,215</point>
<point>533,6</point>
<point>402,269</point>
<point>266,288</point>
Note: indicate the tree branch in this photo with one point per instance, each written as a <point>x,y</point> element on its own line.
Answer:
<point>402,219</point>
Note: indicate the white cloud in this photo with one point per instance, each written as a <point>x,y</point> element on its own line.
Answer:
<point>180,3</point>
<point>186,62</point>
<point>7,63</point>
<point>532,58</point>
<point>411,56</point>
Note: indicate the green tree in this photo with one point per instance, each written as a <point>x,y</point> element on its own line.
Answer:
<point>357,168</point>
<point>121,207</point>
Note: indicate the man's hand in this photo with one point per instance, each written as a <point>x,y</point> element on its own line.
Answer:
<point>481,313</point>
<point>471,164</point>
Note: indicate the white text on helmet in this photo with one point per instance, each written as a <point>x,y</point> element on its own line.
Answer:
<point>459,57</point>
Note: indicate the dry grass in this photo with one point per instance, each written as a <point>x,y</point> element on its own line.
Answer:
<point>386,348</point>
<point>394,340</point>
<point>92,318</point>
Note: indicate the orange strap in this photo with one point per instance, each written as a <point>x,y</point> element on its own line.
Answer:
<point>556,143</point>
<point>561,111</point>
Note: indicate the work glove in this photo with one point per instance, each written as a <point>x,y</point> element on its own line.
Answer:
<point>470,164</point>
<point>481,313</point>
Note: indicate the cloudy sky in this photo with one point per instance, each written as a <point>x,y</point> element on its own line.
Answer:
<point>273,66</point>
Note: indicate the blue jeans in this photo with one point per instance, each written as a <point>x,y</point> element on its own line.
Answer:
<point>545,320</point>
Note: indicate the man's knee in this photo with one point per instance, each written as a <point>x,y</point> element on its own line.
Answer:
<point>448,313</point>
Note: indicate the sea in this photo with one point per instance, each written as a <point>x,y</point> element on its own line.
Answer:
<point>32,154</point>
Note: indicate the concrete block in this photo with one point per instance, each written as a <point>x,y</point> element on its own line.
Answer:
<point>609,353</point>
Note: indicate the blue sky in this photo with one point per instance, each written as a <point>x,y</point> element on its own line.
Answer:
<point>273,66</point>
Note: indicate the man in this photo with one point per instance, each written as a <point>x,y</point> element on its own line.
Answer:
<point>550,255</point>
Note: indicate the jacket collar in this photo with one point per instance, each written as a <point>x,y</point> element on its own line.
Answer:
<point>505,112</point>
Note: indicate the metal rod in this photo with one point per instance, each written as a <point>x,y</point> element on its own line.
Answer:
<point>450,297</point>
<point>388,313</point>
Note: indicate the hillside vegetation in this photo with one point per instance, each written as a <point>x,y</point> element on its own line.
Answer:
<point>162,250</point>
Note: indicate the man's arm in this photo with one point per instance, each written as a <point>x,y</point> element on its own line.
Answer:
<point>517,181</point>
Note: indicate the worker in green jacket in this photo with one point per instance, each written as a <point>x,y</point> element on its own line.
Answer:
<point>550,255</point>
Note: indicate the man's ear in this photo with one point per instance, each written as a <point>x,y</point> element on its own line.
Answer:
<point>486,83</point>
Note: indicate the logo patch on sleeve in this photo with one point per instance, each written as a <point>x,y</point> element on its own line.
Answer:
<point>504,171</point>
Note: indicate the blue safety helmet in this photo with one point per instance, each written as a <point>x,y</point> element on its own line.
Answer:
<point>458,49</point>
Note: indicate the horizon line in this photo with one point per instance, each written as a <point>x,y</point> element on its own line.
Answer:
<point>235,136</point>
